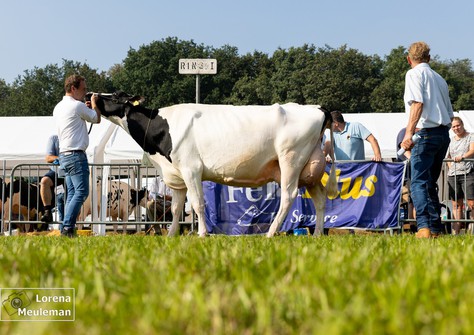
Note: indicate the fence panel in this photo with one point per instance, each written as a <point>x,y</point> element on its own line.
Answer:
<point>119,199</point>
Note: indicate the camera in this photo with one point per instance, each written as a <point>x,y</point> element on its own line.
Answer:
<point>15,301</point>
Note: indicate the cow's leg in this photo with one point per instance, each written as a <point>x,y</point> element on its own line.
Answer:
<point>318,194</point>
<point>289,191</point>
<point>177,205</point>
<point>114,219</point>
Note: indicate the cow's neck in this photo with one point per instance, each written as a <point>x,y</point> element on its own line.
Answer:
<point>150,131</point>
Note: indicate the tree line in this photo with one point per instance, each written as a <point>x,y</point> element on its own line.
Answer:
<point>336,78</point>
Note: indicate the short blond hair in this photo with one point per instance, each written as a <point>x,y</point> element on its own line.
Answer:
<point>73,80</point>
<point>419,52</point>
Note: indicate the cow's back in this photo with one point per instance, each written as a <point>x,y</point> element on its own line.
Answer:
<point>238,144</point>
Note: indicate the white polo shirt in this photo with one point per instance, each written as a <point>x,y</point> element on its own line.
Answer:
<point>424,85</point>
<point>70,116</point>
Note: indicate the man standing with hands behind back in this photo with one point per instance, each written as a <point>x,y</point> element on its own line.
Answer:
<point>429,108</point>
<point>71,115</point>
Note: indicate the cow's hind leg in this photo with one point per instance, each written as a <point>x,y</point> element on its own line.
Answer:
<point>196,197</point>
<point>177,205</point>
<point>318,195</point>
<point>289,191</point>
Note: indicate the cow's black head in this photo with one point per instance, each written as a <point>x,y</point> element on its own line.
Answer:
<point>117,104</point>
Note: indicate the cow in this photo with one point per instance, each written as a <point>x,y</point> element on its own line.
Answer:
<point>245,146</point>
<point>121,202</point>
<point>26,204</point>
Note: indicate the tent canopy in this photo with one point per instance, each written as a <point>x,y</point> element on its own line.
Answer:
<point>24,139</point>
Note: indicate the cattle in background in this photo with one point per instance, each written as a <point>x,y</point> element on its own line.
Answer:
<point>26,205</point>
<point>2,196</point>
<point>234,145</point>
<point>122,200</point>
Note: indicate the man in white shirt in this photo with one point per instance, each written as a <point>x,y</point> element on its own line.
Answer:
<point>71,115</point>
<point>429,108</point>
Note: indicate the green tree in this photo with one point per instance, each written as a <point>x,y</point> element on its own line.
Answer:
<point>37,91</point>
<point>460,78</point>
<point>291,75</point>
<point>152,71</point>
<point>343,79</point>
<point>4,94</point>
<point>387,97</point>
<point>254,86</point>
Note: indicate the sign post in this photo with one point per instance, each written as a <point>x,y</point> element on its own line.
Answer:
<point>197,66</point>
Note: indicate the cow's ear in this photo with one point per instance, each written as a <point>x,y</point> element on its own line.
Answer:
<point>136,100</point>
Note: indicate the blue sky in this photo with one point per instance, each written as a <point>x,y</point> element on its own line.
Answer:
<point>37,33</point>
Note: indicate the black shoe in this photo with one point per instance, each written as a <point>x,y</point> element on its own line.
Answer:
<point>68,232</point>
<point>47,216</point>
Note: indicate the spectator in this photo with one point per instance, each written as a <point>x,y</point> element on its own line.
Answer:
<point>71,115</point>
<point>460,172</point>
<point>349,139</point>
<point>49,180</point>
<point>159,203</point>
<point>406,197</point>
<point>429,108</point>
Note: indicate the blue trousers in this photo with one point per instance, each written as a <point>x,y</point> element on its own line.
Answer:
<point>426,162</point>
<point>77,184</point>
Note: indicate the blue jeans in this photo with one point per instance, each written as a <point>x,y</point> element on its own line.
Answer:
<point>426,162</point>
<point>77,185</point>
<point>60,205</point>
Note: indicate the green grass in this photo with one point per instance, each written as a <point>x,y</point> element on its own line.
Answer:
<point>337,284</point>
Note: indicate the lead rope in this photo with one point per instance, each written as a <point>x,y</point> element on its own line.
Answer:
<point>146,131</point>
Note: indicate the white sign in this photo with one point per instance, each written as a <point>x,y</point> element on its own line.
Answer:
<point>197,66</point>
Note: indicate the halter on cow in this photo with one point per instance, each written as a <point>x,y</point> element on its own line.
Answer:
<point>234,145</point>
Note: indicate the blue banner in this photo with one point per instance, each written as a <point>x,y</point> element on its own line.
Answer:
<point>368,198</point>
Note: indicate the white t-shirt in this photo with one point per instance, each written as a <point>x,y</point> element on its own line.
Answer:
<point>424,85</point>
<point>70,116</point>
<point>158,187</point>
<point>458,148</point>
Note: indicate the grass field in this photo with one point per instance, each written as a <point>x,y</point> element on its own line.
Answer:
<point>337,284</point>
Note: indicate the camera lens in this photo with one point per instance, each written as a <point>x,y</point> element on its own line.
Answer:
<point>16,303</point>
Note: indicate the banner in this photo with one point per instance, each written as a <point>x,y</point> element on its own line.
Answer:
<point>368,198</point>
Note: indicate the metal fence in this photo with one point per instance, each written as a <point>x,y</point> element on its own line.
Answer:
<point>120,200</point>
<point>108,207</point>
<point>464,219</point>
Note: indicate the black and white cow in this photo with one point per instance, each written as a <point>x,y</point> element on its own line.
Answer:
<point>25,205</point>
<point>122,199</point>
<point>234,145</point>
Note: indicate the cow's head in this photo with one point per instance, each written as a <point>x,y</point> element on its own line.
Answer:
<point>115,106</point>
<point>140,195</point>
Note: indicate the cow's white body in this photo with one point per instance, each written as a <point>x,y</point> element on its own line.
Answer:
<point>240,146</point>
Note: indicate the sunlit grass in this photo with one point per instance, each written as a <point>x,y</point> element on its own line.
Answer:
<point>341,284</point>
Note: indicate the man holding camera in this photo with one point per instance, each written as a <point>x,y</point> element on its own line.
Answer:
<point>71,114</point>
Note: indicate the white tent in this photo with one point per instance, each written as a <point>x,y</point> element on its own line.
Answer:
<point>385,128</point>
<point>24,139</point>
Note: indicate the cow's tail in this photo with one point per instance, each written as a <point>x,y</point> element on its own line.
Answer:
<point>331,185</point>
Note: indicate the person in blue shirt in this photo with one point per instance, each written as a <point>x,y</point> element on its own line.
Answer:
<point>349,139</point>
<point>52,181</point>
